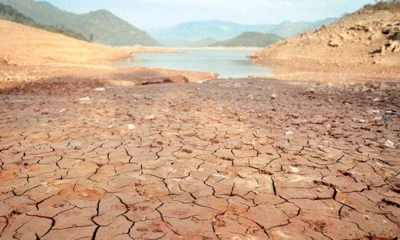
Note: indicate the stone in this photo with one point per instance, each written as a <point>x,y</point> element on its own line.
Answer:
<point>150,117</point>
<point>273,96</point>
<point>389,144</point>
<point>101,89</point>
<point>131,126</point>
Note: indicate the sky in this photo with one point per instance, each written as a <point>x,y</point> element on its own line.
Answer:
<point>154,14</point>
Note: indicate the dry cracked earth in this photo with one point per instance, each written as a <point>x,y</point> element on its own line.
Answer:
<point>219,160</point>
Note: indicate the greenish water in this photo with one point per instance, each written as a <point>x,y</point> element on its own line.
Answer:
<point>227,63</point>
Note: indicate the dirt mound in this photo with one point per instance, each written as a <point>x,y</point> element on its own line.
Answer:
<point>365,41</point>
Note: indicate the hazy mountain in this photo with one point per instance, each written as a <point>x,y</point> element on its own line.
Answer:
<point>199,30</point>
<point>9,13</point>
<point>186,33</point>
<point>250,39</point>
<point>101,26</point>
<point>290,29</point>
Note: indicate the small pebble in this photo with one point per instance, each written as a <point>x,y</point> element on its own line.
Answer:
<point>289,133</point>
<point>131,126</point>
<point>101,89</point>
<point>150,117</point>
<point>273,96</point>
<point>84,99</point>
<point>389,144</point>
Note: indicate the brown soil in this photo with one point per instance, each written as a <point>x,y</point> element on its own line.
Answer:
<point>360,45</point>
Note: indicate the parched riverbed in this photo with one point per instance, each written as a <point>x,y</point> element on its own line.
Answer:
<point>220,160</point>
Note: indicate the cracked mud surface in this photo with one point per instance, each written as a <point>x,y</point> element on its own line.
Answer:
<point>221,160</point>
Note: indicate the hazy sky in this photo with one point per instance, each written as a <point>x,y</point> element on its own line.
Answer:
<point>151,14</point>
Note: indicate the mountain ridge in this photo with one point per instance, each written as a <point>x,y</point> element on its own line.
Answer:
<point>249,39</point>
<point>102,26</point>
<point>223,30</point>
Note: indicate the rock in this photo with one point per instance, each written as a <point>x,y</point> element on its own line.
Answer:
<point>242,118</point>
<point>84,99</point>
<point>386,30</point>
<point>384,86</point>
<point>373,112</point>
<point>310,90</point>
<point>150,118</point>
<point>333,43</point>
<point>289,133</point>
<point>131,126</point>
<point>294,169</point>
<point>148,97</point>
<point>372,85</point>
<point>396,36</point>
<point>394,46</point>
<point>3,62</point>
<point>389,144</point>
<point>101,89</point>
<point>273,96</point>
<point>385,117</point>
<point>364,88</point>
<point>376,99</point>
<point>62,110</point>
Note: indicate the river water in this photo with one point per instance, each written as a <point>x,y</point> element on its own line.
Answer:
<point>227,63</point>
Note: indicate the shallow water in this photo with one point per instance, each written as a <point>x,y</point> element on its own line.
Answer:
<point>227,63</point>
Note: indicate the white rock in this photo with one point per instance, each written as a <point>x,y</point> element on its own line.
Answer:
<point>389,144</point>
<point>374,111</point>
<point>101,89</point>
<point>289,133</point>
<point>376,99</point>
<point>63,110</point>
<point>273,96</point>
<point>131,126</point>
<point>294,169</point>
<point>84,99</point>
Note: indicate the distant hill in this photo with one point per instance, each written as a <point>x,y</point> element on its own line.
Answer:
<point>249,39</point>
<point>290,29</point>
<point>9,13</point>
<point>185,34</point>
<point>100,26</point>
<point>195,31</point>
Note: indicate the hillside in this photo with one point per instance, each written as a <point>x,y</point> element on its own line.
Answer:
<point>100,26</point>
<point>9,13</point>
<point>366,41</point>
<point>290,29</point>
<point>249,39</point>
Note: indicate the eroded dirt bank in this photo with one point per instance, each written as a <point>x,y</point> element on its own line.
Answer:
<point>221,160</point>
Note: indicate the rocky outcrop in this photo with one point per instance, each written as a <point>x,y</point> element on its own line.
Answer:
<point>366,41</point>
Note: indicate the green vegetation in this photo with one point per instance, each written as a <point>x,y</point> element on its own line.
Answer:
<point>249,39</point>
<point>99,26</point>
<point>9,13</point>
